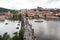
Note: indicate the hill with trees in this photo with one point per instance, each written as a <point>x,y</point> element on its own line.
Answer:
<point>6,10</point>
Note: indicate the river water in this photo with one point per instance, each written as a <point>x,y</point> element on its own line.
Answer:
<point>46,30</point>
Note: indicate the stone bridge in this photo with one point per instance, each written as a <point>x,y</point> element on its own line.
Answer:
<point>28,31</point>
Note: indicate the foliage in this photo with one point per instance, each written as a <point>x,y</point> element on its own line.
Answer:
<point>44,15</point>
<point>1,37</point>
<point>21,34</point>
<point>17,36</point>
<point>15,17</point>
<point>19,16</point>
<point>26,15</point>
<point>6,36</point>
<point>6,10</point>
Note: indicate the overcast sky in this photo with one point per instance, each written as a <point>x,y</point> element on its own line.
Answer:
<point>23,4</point>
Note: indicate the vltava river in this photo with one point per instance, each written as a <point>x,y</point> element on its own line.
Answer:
<point>46,30</point>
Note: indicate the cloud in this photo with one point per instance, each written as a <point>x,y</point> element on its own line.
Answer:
<point>53,4</point>
<point>23,4</point>
<point>18,4</point>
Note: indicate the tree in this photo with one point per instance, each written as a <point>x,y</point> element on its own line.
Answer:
<point>45,16</point>
<point>26,15</point>
<point>6,36</point>
<point>14,16</point>
<point>19,16</point>
<point>15,37</point>
<point>18,36</point>
<point>1,38</point>
<point>21,34</point>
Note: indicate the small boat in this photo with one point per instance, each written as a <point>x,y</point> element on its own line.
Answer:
<point>6,23</point>
<point>18,24</point>
<point>17,27</point>
<point>38,21</point>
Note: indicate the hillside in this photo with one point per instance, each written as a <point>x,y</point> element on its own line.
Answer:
<point>14,11</point>
<point>6,10</point>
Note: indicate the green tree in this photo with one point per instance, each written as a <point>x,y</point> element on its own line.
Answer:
<point>6,36</point>
<point>15,37</point>
<point>15,17</point>
<point>45,16</point>
<point>26,15</point>
<point>19,17</point>
<point>1,38</point>
<point>21,34</point>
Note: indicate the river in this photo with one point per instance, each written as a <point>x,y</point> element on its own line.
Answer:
<point>46,30</point>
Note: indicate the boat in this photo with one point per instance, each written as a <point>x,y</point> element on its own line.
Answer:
<point>6,23</point>
<point>17,27</point>
<point>38,21</point>
<point>18,24</point>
